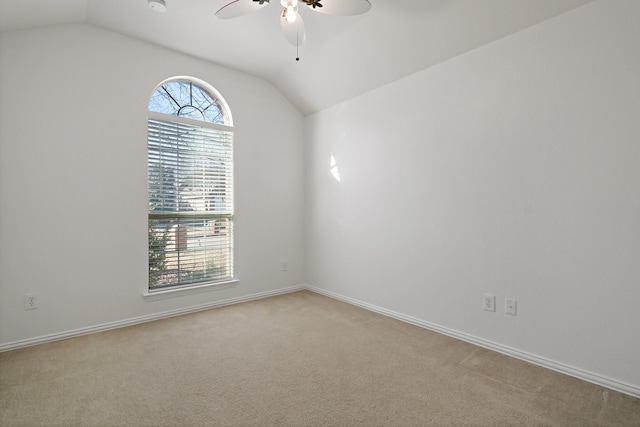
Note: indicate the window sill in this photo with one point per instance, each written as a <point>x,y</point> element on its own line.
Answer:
<point>188,290</point>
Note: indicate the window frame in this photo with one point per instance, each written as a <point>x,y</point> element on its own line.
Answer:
<point>158,292</point>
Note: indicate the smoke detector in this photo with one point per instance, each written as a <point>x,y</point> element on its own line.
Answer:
<point>157,5</point>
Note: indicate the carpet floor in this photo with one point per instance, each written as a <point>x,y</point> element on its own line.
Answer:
<point>299,359</point>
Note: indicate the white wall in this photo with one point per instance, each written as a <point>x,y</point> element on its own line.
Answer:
<point>513,170</point>
<point>73,179</point>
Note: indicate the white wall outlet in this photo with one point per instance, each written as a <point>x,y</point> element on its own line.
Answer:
<point>489,302</point>
<point>30,301</point>
<point>284,266</point>
<point>510,306</point>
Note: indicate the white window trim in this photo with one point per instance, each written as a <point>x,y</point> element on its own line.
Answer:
<point>168,117</point>
<point>172,292</point>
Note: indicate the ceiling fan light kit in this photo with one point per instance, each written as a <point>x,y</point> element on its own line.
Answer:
<point>290,9</point>
<point>290,19</point>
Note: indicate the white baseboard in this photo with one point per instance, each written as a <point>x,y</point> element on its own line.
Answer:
<point>143,319</point>
<point>591,377</point>
<point>481,342</point>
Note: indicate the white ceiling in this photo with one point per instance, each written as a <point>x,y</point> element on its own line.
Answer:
<point>342,57</point>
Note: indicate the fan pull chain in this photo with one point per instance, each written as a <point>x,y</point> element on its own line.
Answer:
<point>297,43</point>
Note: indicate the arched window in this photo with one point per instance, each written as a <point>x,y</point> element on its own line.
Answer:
<point>190,176</point>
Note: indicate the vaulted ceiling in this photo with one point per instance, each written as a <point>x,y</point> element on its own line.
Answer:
<point>342,57</point>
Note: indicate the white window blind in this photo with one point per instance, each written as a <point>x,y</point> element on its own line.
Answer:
<point>190,175</point>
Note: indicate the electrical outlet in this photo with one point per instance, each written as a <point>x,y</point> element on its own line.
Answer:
<point>510,306</point>
<point>284,266</point>
<point>489,302</point>
<point>30,301</point>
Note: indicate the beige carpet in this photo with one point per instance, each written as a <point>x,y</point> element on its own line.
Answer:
<point>295,360</point>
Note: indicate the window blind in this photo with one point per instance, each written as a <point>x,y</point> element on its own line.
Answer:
<point>190,176</point>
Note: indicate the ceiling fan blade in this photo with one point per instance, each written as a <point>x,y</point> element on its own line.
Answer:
<point>293,31</point>
<point>339,7</point>
<point>238,8</point>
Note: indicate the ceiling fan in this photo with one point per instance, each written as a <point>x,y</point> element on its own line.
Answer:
<point>290,19</point>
